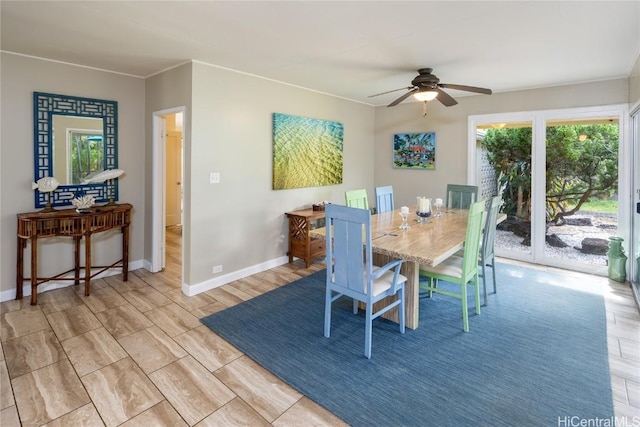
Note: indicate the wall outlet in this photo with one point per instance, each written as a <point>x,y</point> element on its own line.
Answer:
<point>214,178</point>
<point>217,269</point>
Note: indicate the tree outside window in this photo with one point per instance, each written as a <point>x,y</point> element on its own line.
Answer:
<point>86,155</point>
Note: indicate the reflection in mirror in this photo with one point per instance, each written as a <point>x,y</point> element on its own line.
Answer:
<point>74,139</point>
<point>78,148</point>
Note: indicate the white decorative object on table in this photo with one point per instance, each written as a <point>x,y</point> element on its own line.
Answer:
<point>404,213</point>
<point>423,209</point>
<point>103,176</point>
<point>48,184</point>
<point>106,175</point>
<point>438,206</point>
<point>83,204</point>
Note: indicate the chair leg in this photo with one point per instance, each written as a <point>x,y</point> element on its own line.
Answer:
<point>484,282</point>
<point>493,269</point>
<point>327,314</point>
<point>355,306</point>
<point>476,290</point>
<point>465,309</point>
<point>367,332</point>
<point>401,319</point>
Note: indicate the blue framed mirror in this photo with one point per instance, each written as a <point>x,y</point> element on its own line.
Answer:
<point>74,139</point>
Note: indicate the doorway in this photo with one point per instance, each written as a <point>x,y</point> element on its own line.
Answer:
<point>533,193</point>
<point>168,192</point>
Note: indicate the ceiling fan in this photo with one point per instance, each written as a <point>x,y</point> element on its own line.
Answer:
<point>426,86</point>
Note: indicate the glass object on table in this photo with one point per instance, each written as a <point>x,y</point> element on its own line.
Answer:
<point>404,213</point>
<point>423,209</point>
<point>438,205</point>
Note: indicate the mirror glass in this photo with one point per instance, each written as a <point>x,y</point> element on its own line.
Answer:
<point>74,138</point>
<point>78,148</point>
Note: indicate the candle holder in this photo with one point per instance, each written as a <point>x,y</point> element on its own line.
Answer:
<point>404,215</point>
<point>438,205</point>
<point>423,209</point>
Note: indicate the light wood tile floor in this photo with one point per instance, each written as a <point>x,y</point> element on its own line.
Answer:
<point>135,354</point>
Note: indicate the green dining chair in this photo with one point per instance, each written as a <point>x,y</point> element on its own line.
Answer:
<point>457,270</point>
<point>461,196</point>
<point>356,199</point>
<point>384,199</point>
<point>351,273</point>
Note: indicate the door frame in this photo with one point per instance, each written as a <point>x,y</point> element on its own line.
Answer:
<point>634,249</point>
<point>159,185</point>
<point>538,120</point>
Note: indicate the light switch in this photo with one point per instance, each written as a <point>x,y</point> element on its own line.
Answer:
<point>214,178</point>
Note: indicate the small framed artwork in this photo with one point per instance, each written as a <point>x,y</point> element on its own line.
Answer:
<point>414,150</point>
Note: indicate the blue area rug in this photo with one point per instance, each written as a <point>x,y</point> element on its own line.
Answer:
<point>537,353</point>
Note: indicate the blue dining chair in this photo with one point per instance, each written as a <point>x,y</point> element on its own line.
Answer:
<point>351,273</point>
<point>356,199</point>
<point>461,196</point>
<point>384,199</point>
<point>460,270</point>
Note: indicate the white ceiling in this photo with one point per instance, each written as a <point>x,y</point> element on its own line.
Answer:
<point>348,49</point>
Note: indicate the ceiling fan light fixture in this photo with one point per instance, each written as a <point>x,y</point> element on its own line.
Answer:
<point>427,95</point>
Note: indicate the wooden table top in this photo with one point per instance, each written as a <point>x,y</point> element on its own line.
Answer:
<point>426,244</point>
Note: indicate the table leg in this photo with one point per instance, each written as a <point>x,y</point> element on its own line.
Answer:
<point>76,241</point>
<point>34,270</point>
<point>125,253</point>
<point>20,268</point>
<point>87,264</point>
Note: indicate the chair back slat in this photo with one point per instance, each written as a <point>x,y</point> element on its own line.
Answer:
<point>356,199</point>
<point>461,196</point>
<point>472,240</point>
<point>384,199</point>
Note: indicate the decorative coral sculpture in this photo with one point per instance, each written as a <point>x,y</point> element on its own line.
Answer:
<point>83,204</point>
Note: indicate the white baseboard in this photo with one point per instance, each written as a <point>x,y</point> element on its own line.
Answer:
<point>188,290</point>
<point>191,290</point>
<point>10,294</point>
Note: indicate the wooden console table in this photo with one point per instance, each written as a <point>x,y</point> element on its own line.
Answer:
<point>301,244</point>
<point>67,222</point>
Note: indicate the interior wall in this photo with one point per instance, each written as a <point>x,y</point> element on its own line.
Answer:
<point>164,91</point>
<point>21,76</point>
<point>450,125</point>
<point>240,222</point>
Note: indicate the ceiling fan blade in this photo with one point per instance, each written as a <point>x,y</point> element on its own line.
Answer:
<point>466,88</point>
<point>389,91</point>
<point>403,97</point>
<point>445,98</point>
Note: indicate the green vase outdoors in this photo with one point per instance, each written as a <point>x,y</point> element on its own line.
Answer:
<point>617,259</point>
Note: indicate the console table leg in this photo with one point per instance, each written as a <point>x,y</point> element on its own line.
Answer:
<point>34,270</point>
<point>76,241</point>
<point>20,268</point>
<point>87,264</point>
<point>125,253</point>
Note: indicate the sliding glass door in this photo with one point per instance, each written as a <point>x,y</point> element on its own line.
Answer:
<point>562,176</point>
<point>503,158</point>
<point>635,200</point>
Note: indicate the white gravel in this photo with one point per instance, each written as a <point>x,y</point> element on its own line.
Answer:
<point>570,234</point>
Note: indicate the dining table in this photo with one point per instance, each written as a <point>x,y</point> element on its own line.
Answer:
<point>421,244</point>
